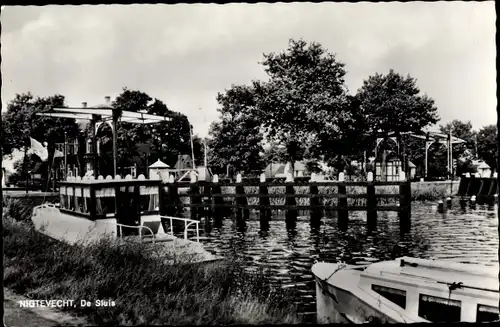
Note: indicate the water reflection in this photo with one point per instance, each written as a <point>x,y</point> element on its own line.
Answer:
<point>466,236</point>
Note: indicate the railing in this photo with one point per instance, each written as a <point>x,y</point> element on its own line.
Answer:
<point>43,206</point>
<point>140,230</point>
<point>187,222</point>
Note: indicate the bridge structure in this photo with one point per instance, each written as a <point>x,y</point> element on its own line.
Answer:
<point>447,140</point>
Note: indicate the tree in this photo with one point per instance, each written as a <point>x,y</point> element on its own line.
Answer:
<point>392,103</point>
<point>166,140</point>
<point>487,142</point>
<point>304,105</point>
<point>20,122</point>
<point>236,139</point>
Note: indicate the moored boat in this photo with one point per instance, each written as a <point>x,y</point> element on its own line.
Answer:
<point>91,209</point>
<point>406,290</point>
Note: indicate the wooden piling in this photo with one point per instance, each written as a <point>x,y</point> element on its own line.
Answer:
<point>194,195</point>
<point>343,214</point>
<point>207,200</point>
<point>291,214</point>
<point>405,207</point>
<point>371,204</point>
<point>241,200</point>
<point>314,202</point>
<point>265,211</point>
<point>217,201</point>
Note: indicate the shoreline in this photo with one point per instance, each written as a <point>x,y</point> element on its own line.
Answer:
<point>142,288</point>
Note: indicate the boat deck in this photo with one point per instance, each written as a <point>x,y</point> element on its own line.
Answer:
<point>481,277</point>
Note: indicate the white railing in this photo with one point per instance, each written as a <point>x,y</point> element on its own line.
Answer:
<point>140,230</point>
<point>187,222</point>
<point>43,206</point>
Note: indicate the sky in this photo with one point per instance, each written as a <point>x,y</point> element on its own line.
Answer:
<point>186,54</point>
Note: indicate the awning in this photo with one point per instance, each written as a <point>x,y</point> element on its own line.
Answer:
<point>105,114</point>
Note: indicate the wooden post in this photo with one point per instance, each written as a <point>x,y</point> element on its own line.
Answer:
<point>404,204</point>
<point>93,203</point>
<point>217,201</point>
<point>173,200</point>
<point>291,214</point>
<point>241,200</point>
<point>314,202</point>
<point>265,211</point>
<point>371,203</point>
<point>207,200</point>
<point>342,213</point>
<point>194,191</point>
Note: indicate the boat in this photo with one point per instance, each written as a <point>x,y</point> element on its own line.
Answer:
<point>91,209</point>
<point>406,290</point>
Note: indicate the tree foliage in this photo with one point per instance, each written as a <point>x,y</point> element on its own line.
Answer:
<point>392,103</point>
<point>20,122</point>
<point>304,104</point>
<point>487,143</point>
<point>236,138</point>
<point>166,140</point>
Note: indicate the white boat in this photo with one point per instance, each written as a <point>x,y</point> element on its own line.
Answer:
<point>90,210</point>
<point>406,290</point>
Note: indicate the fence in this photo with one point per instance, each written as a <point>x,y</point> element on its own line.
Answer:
<point>207,199</point>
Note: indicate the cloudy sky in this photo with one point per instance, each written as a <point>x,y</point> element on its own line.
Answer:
<point>186,54</point>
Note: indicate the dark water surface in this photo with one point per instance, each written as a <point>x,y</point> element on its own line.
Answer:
<point>465,236</point>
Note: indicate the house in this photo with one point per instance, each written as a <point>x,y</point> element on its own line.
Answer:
<point>281,170</point>
<point>159,170</point>
<point>482,168</point>
<point>393,166</point>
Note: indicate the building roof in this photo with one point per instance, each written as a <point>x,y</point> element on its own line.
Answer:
<point>483,165</point>
<point>159,164</point>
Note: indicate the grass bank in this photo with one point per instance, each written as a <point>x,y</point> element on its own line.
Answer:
<point>144,289</point>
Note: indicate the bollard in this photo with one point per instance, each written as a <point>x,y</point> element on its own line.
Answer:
<point>473,201</point>
<point>495,199</point>
<point>440,206</point>
<point>448,202</point>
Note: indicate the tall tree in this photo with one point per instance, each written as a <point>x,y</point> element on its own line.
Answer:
<point>164,140</point>
<point>393,103</point>
<point>487,145</point>
<point>236,139</point>
<point>304,104</point>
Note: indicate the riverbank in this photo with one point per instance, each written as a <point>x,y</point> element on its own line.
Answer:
<point>139,289</point>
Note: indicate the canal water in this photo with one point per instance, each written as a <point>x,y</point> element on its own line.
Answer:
<point>469,236</point>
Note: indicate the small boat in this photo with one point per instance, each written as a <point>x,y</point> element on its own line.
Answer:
<point>128,209</point>
<point>406,290</point>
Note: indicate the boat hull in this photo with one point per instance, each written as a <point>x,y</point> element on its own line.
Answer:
<point>335,305</point>
<point>48,220</point>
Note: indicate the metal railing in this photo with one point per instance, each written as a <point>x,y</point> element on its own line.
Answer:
<point>187,222</point>
<point>120,226</point>
<point>43,206</point>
